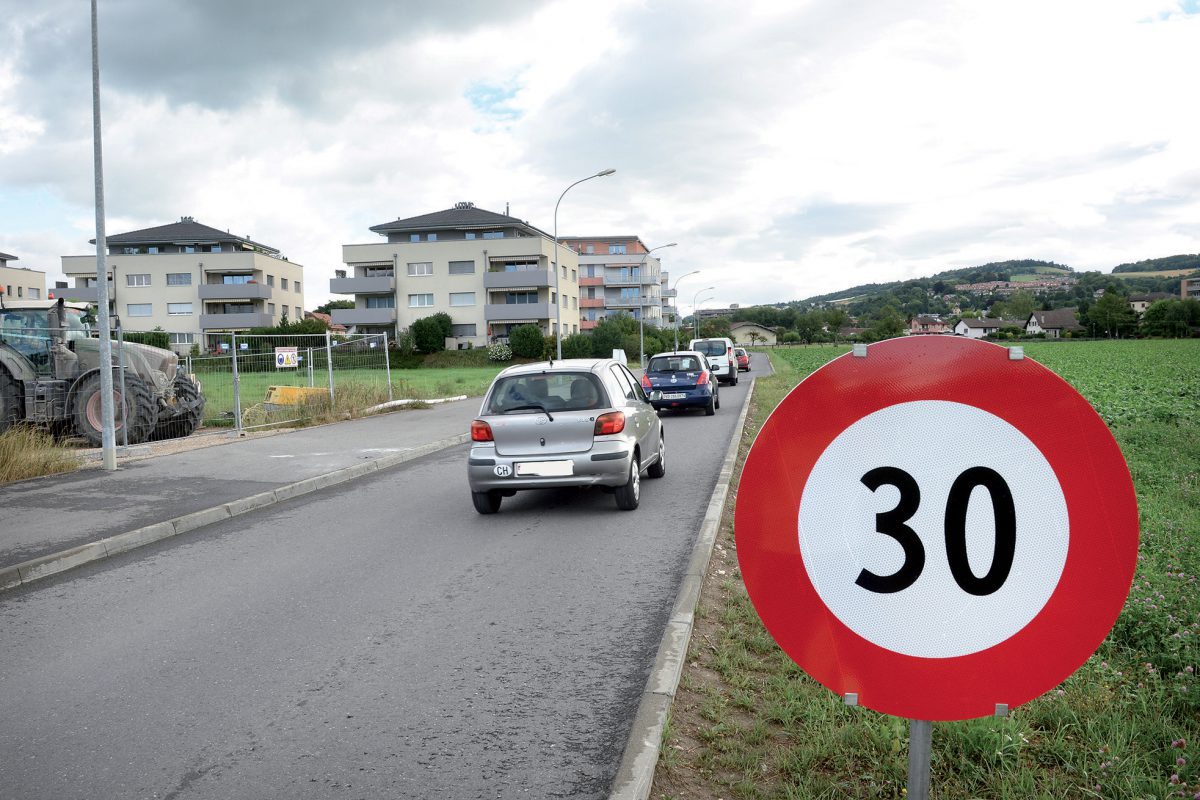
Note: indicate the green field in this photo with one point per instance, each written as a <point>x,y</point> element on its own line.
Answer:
<point>748,723</point>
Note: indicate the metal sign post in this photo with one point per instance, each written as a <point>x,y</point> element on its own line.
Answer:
<point>920,746</point>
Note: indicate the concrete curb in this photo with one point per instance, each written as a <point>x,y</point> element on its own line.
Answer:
<point>635,775</point>
<point>54,563</point>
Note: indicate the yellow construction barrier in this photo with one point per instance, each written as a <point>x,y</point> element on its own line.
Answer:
<point>280,396</point>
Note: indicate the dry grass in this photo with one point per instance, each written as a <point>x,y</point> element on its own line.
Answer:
<point>27,452</point>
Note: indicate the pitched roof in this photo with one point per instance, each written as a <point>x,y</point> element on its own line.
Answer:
<point>990,322</point>
<point>1152,296</point>
<point>186,231</point>
<point>1063,318</point>
<point>326,318</point>
<point>462,216</point>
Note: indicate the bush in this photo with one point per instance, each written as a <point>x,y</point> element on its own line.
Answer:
<point>526,341</point>
<point>577,345</point>
<point>499,351</point>
<point>430,333</point>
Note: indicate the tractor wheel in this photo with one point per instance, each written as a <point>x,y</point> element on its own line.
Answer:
<point>10,403</point>
<point>185,417</point>
<point>138,411</point>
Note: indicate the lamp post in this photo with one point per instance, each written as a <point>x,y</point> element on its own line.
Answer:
<point>554,263</point>
<point>642,306</point>
<point>676,325</point>
<point>695,316</point>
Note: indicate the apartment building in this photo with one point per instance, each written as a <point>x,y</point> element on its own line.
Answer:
<point>193,281</point>
<point>617,275</point>
<point>20,283</point>
<point>490,272</point>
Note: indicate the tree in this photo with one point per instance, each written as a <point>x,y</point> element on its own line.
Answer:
<point>327,308</point>
<point>1171,318</point>
<point>526,341</point>
<point>1019,305</point>
<point>755,338</point>
<point>577,345</point>
<point>430,333</point>
<point>1112,314</point>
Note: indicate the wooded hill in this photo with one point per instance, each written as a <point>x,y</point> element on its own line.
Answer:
<point>1161,264</point>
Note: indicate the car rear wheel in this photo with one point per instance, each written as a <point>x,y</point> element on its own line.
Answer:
<point>629,494</point>
<point>659,467</point>
<point>712,406</point>
<point>486,502</point>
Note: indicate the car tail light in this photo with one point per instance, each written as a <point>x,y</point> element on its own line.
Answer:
<point>612,422</point>
<point>703,379</point>
<point>729,354</point>
<point>481,431</point>
<point>646,383</point>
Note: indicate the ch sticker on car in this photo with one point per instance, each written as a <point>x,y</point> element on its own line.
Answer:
<point>502,470</point>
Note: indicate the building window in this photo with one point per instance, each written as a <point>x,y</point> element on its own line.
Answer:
<point>296,287</point>
<point>179,279</point>
<point>462,298</point>
<point>283,284</point>
<point>470,235</point>
<point>564,271</point>
<point>493,234</point>
<point>153,250</point>
<point>178,309</point>
<point>133,279</point>
<point>520,298</point>
<point>616,249</point>
<point>183,338</point>
<point>140,309</point>
<point>420,300</point>
<point>376,272</point>
<point>270,280</point>
<point>299,313</point>
<point>462,267</point>
<point>574,303</point>
<point>591,249</point>
<point>414,237</point>
<point>215,248</point>
<point>35,294</point>
<point>235,280</point>
<point>188,248</point>
<point>462,330</point>
<point>381,301</point>
<point>574,277</point>
<point>271,309</point>
<point>235,308</point>
<point>564,301</point>
<point>432,237</point>
<point>420,269</point>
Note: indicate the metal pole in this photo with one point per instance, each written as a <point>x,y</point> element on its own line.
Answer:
<point>642,307</point>
<point>237,387</point>
<point>554,264</point>
<point>310,368</point>
<point>329,364</point>
<point>125,404</point>
<point>107,436</point>
<point>920,744</point>
<point>676,305</point>
<point>387,365</point>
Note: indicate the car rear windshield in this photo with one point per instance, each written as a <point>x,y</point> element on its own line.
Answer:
<point>553,391</point>
<point>710,347</point>
<point>673,364</point>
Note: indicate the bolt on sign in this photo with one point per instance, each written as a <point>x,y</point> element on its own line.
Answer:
<point>936,528</point>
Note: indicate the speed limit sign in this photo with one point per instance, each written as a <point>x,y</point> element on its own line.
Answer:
<point>936,527</point>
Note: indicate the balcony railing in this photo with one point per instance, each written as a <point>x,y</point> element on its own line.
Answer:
<point>234,291</point>
<point>372,285</point>
<point>513,312</point>
<point>591,302</point>
<point>364,316</point>
<point>251,319</point>
<point>534,278</point>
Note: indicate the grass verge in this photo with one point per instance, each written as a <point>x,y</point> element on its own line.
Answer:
<point>748,723</point>
<point>27,452</point>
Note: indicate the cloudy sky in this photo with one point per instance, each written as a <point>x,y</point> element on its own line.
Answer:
<point>790,147</point>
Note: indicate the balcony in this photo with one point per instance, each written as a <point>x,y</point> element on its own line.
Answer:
<point>373,285</point>
<point>84,294</point>
<point>591,281</point>
<point>591,302</point>
<point>516,312</point>
<point>587,324</point>
<point>670,292</point>
<point>253,319</point>
<point>627,302</point>
<point>233,291</point>
<point>364,316</point>
<point>618,279</point>
<point>528,278</point>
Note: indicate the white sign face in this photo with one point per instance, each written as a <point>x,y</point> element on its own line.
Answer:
<point>286,357</point>
<point>933,529</point>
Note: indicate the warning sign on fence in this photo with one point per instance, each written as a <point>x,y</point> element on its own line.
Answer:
<point>286,357</point>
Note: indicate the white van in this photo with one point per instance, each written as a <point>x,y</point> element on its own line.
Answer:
<point>719,353</point>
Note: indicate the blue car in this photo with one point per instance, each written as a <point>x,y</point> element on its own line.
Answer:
<point>685,380</point>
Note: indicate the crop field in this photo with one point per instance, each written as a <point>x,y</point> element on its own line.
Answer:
<point>748,723</point>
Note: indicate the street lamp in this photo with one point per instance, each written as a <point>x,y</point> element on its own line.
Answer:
<point>676,325</point>
<point>554,263</point>
<point>695,316</point>
<point>642,306</point>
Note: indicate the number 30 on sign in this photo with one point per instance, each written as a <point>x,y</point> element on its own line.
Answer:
<point>936,527</point>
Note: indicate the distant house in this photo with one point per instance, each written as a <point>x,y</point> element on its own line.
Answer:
<point>927,324</point>
<point>851,332</point>
<point>1053,323</point>
<point>19,283</point>
<point>334,327</point>
<point>979,328</point>
<point>1140,302</point>
<point>740,333</point>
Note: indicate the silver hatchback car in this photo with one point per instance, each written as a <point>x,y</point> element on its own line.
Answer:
<point>576,422</point>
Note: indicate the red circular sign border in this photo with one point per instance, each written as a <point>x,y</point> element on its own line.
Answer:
<point>1101,505</point>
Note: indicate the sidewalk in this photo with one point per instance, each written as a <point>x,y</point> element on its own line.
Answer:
<point>54,523</point>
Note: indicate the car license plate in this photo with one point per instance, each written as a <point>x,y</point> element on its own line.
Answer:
<point>545,469</point>
<point>674,395</point>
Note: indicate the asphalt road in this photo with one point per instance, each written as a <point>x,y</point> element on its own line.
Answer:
<point>379,639</point>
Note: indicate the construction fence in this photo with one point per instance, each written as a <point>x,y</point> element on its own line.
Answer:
<point>259,381</point>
